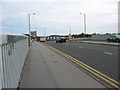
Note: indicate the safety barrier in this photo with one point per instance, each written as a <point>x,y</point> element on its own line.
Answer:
<point>13,53</point>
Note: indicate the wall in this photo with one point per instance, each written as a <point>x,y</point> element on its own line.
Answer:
<point>100,37</point>
<point>12,58</point>
<point>0,69</point>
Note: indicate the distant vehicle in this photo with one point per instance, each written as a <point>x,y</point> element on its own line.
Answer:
<point>61,40</point>
<point>114,38</point>
<point>42,39</point>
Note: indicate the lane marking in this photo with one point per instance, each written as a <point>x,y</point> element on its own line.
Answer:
<point>73,45</point>
<point>90,69</point>
<point>80,47</point>
<point>66,44</point>
<point>108,53</point>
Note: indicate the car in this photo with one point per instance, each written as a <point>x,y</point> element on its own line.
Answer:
<point>114,38</point>
<point>60,40</point>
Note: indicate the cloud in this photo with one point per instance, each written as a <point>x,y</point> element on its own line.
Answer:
<point>3,27</point>
<point>57,14</point>
<point>5,33</point>
<point>29,1</point>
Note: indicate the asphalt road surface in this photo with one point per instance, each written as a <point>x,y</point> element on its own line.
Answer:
<point>103,58</point>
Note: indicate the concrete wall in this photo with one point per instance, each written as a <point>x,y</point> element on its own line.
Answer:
<point>12,58</point>
<point>100,37</point>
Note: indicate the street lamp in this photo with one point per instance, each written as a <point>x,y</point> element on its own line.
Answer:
<point>29,27</point>
<point>70,33</point>
<point>45,32</point>
<point>70,29</point>
<point>84,22</point>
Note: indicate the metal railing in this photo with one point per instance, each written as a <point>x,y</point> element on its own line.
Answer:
<point>12,58</point>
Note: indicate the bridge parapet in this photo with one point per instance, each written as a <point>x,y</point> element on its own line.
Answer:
<point>13,52</point>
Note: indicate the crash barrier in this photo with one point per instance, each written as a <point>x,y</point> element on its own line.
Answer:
<point>100,37</point>
<point>13,52</point>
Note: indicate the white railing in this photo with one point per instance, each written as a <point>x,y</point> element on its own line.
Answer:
<point>12,58</point>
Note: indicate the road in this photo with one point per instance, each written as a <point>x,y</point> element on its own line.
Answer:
<point>103,58</point>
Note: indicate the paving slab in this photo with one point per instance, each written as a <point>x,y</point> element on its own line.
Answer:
<point>45,68</point>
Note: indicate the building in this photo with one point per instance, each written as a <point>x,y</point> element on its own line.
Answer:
<point>33,33</point>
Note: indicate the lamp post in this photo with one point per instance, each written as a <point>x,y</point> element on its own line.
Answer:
<point>70,29</point>
<point>84,22</point>
<point>29,27</point>
<point>45,32</point>
<point>69,33</point>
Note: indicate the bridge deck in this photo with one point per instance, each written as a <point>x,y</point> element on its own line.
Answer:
<point>46,69</point>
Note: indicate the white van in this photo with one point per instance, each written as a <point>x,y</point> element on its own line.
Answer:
<point>42,39</point>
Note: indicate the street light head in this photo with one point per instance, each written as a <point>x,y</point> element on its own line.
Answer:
<point>82,13</point>
<point>33,13</point>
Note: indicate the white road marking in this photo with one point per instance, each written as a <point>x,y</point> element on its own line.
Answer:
<point>66,44</point>
<point>108,53</point>
<point>80,47</point>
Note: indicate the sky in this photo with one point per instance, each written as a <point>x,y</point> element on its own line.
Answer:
<point>57,16</point>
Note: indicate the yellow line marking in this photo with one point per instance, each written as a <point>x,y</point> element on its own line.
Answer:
<point>94,70</point>
<point>88,68</point>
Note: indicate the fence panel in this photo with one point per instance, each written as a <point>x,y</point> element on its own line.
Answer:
<point>1,76</point>
<point>12,58</point>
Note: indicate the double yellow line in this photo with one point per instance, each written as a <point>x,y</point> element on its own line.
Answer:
<point>97,73</point>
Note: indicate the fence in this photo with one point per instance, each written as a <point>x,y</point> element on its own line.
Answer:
<point>12,58</point>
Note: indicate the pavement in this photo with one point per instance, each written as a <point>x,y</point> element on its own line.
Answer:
<point>44,68</point>
<point>100,42</point>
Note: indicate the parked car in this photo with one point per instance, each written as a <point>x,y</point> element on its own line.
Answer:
<point>61,40</point>
<point>114,38</point>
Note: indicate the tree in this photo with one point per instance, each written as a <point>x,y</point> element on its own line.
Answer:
<point>94,34</point>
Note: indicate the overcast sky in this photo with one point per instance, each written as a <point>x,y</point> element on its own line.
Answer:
<point>53,16</point>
